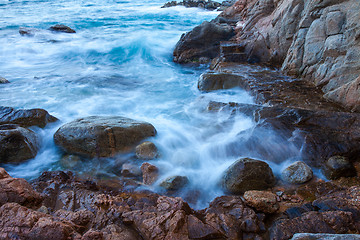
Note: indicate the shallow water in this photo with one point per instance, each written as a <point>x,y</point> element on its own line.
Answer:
<point>120,63</point>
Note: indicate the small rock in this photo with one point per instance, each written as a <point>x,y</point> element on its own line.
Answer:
<point>43,209</point>
<point>62,28</point>
<point>3,80</point>
<point>3,174</point>
<point>339,166</point>
<point>247,174</point>
<point>297,173</point>
<point>130,170</point>
<point>263,201</point>
<point>17,144</point>
<point>27,31</point>
<point>146,151</point>
<point>215,81</point>
<point>174,182</point>
<point>150,173</point>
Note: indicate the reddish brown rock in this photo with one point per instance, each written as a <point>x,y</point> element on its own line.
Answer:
<point>22,223</point>
<point>263,201</point>
<point>150,173</point>
<point>3,173</point>
<point>17,190</point>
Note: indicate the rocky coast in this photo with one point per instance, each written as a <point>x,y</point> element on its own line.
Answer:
<point>313,100</point>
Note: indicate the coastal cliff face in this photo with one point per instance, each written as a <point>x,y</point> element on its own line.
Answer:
<point>318,40</point>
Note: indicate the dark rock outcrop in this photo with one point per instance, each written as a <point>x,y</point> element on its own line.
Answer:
<point>202,43</point>
<point>248,174</point>
<point>25,117</point>
<point>3,80</point>
<point>102,136</point>
<point>62,28</point>
<point>17,144</point>
<point>338,166</point>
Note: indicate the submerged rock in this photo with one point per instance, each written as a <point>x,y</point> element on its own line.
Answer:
<point>102,136</point>
<point>202,41</point>
<point>62,28</point>
<point>3,80</point>
<point>130,170</point>
<point>174,182</point>
<point>325,236</point>
<point>26,117</point>
<point>247,174</point>
<point>17,144</point>
<point>27,31</point>
<point>146,151</point>
<point>263,201</point>
<point>297,173</point>
<point>338,166</point>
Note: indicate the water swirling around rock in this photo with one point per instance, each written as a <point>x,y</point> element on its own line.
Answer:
<point>119,62</point>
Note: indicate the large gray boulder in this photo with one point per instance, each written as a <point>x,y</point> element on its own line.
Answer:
<point>98,136</point>
<point>247,174</point>
<point>17,144</point>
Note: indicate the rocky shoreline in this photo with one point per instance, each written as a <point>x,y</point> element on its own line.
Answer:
<point>258,204</point>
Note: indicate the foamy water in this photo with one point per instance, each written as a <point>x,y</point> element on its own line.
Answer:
<point>120,63</point>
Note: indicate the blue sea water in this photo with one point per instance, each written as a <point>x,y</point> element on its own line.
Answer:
<point>119,62</point>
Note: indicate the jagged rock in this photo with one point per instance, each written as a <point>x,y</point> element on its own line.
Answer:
<point>130,170</point>
<point>150,173</point>
<point>174,182</point>
<point>22,223</point>
<point>215,81</point>
<point>263,201</point>
<point>62,28</point>
<point>17,190</point>
<point>3,80</point>
<point>202,41</point>
<point>230,216</point>
<point>102,136</point>
<point>297,173</point>
<point>146,151</point>
<point>26,117</point>
<point>338,166</point>
<point>17,144</point>
<point>247,174</point>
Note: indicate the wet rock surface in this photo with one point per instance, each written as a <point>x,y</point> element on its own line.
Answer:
<point>247,174</point>
<point>206,4</point>
<point>297,173</point>
<point>25,117</point>
<point>174,182</point>
<point>338,166</point>
<point>146,151</point>
<point>202,42</point>
<point>263,201</point>
<point>102,136</point>
<point>17,144</point>
<point>62,28</point>
<point>3,80</point>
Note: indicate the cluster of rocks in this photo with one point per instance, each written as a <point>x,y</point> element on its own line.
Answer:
<point>25,31</point>
<point>206,4</point>
<point>316,40</point>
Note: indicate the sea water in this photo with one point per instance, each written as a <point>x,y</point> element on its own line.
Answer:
<point>119,62</point>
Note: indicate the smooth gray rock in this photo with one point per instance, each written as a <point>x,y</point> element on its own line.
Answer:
<point>297,173</point>
<point>97,136</point>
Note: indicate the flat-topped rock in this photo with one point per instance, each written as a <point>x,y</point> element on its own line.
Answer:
<point>62,28</point>
<point>97,136</point>
<point>25,117</point>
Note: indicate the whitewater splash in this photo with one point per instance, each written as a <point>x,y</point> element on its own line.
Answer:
<point>120,63</point>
